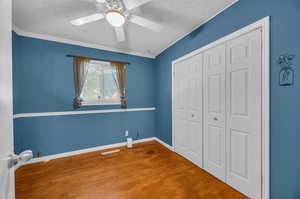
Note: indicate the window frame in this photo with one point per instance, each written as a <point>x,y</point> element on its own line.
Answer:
<point>101,102</point>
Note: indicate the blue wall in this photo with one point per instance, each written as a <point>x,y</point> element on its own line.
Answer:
<point>285,101</point>
<point>43,82</point>
<point>52,135</point>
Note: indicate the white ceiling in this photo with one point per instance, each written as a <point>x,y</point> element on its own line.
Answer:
<point>50,19</point>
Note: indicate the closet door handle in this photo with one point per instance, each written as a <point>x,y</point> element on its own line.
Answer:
<point>215,118</point>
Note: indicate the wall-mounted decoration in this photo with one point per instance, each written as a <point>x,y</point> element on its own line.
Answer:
<point>286,74</point>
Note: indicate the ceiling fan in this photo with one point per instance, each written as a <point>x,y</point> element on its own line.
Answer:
<point>117,13</point>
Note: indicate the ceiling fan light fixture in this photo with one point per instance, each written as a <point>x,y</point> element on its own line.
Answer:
<point>115,18</point>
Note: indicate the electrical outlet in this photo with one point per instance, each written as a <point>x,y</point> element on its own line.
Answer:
<point>126,133</point>
<point>39,154</point>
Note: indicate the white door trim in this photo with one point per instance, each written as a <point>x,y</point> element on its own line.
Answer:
<point>264,24</point>
<point>7,179</point>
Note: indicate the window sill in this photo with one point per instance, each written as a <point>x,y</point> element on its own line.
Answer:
<point>100,103</point>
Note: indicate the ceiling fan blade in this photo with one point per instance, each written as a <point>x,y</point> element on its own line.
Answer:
<point>87,19</point>
<point>145,23</point>
<point>120,33</point>
<point>131,4</point>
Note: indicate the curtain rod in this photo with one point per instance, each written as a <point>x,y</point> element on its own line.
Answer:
<point>97,59</point>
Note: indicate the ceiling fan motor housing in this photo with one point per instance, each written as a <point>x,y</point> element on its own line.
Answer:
<point>115,5</point>
<point>117,13</point>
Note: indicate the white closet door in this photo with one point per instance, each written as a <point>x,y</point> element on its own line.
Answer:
<point>243,103</point>
<point>214,105</point>
<point>188,108</point>
<point>179,108</point>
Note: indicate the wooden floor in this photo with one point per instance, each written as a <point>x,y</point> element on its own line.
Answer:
<point>147,171</point>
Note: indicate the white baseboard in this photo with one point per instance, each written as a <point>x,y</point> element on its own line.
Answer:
<point>164,144</point>
<point>98,148</point>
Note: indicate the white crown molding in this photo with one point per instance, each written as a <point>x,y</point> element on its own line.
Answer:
<point>195,28</point>
<point>45,114</point>
<point>24,33</point>
<point>93,149</point>
<point>102,47</point>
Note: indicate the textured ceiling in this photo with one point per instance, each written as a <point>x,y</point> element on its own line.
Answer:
<point>52,18</point>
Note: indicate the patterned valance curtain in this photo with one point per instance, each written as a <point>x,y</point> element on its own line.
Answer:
<point>120,69</point>
<point>80,73</point>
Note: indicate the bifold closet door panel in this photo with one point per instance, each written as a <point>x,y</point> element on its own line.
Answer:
<point>179,108</point>
<point>194,108</point>
<point>243,104</point>
<point>214,114</point>
<point>188,119</point>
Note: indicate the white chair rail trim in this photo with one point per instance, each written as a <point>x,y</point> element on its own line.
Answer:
<point>45,114</point>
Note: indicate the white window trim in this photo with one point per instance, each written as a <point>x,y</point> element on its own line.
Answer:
<point>100,103</point>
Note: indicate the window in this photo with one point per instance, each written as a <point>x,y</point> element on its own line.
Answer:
<point>99,82</point>
<point>100,86</point>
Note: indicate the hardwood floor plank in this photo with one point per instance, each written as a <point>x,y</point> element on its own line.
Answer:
<point>147,171</point>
